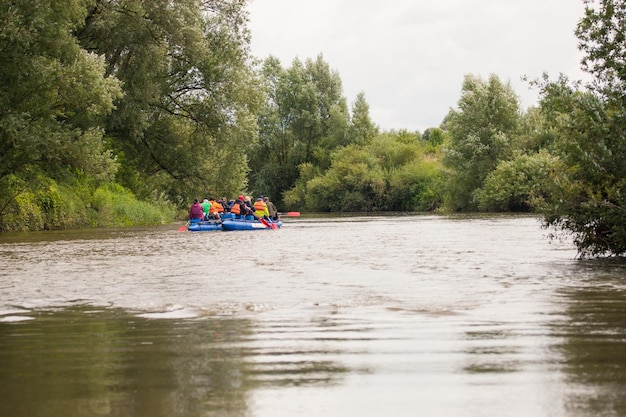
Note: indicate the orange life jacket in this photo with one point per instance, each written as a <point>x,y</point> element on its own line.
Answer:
<point>259,205</point>
<point>215,207</point>
<point>236,209</point>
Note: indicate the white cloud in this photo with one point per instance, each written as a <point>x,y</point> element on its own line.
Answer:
<point>409,56</point>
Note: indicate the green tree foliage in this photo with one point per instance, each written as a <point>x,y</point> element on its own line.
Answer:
<point>53,92</point>
<point>272,160</point>
<point>168,87</point>
<point>48,205</point>
<point>53,98</point>
<point>411,170</point>
<point>481,134</point>
<point>296,196</point>
<point>187,116</point>
<point>602,37</point>
<point>435,136</point>
<point>390,172</point>
<point>316,110</point>
<point>118,206</point>
<point>304,119</point>
<point>361,128</point>
<point>414,186</point>
<point>588,197</point>
<point>535,132</point>
<point>354,183</point>
<point>164,98</point>
<point>516,184</point>
<point>75,203</point>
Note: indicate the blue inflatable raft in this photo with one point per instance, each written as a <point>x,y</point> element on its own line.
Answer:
<point>230,223</point>
<point>205,226</point>
<point>243,224</point>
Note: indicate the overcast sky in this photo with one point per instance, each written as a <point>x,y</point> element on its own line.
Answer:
<point>409,56</point>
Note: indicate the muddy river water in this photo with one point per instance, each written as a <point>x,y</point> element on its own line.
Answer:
<point>329,316</point>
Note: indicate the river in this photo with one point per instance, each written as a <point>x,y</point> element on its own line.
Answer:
<point>328,316</point>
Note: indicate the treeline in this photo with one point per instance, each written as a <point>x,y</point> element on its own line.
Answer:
<point>120,112</point>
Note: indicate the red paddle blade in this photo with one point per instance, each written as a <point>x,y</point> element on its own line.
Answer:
<point>182,228</point>
<point>293,214</point>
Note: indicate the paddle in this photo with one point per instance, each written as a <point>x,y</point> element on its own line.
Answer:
<point>265,222</point>
<point>183,227</point>
<point>290,214</point>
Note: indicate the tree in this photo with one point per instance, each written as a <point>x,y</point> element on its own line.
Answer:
<point>361,128</point>
<point>434,136</point>
<point>390,172</point>
<point>304,119</point>
<point>187,117</point>
<point>355,183</point>
<point>588,196</point>
<point>53,99</point>
<point>602,37</point>
<point>412,171</point>
<point>481,134</point>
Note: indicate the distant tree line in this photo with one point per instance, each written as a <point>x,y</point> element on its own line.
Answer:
<point>116,112</point>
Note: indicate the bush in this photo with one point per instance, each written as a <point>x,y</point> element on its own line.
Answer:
<point>415,187</point>
<point>117,206</point>
<point>45,204</point>
<point>515,185</point>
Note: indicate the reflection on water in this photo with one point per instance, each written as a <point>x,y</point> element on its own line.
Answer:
<point>594,347</point>
<point>80,362</point>
<point>364,316</point>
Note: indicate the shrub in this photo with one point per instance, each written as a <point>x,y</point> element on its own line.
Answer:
<point>515,184</point>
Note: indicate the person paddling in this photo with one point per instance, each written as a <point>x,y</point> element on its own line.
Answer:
<point>238,208</point>
<point>196,213</point>
<point>271,208</point>
<point>260,208</point>
<point>215,209</point>
<point>206,206</point>
<point>242,209</point>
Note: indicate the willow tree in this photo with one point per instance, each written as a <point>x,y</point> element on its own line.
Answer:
<point>53,99</point>
<point>304,118</point>
<point>588,197</point>
<point>186,119</point>
<point>481,134</point>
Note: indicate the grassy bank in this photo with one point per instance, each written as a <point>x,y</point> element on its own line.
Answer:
<point>48,205</point>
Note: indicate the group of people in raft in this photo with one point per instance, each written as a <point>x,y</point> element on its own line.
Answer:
<point>211,209</point>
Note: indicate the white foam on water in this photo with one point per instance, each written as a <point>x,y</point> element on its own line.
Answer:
<point>179,313</point>
<point>13,311</point>
<point>13,319</point>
